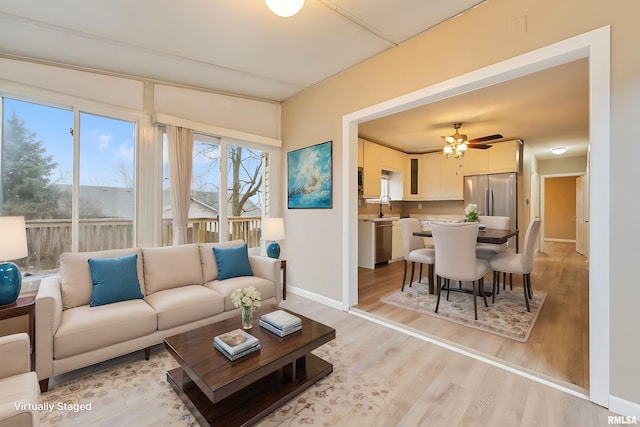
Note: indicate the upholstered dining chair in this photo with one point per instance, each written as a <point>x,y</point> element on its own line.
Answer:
<point>455,248</point>
<point>487,250</point>
<point>521,263</point>
<point>415,250</point>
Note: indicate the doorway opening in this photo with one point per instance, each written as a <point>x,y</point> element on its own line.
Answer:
<point>595,46</point>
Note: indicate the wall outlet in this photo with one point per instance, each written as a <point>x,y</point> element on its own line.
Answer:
<point>419,205</point>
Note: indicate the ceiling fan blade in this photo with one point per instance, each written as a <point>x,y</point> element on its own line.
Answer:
<point>486,138</point>
<point>479,146</point>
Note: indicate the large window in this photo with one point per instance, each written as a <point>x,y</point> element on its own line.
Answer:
<point>242,188</point>
<point>76,193</point>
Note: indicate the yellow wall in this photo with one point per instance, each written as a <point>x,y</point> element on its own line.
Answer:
<point>560,208</point>
<point>478,38</point>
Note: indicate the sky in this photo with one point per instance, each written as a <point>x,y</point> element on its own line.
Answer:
<point>106,145</point>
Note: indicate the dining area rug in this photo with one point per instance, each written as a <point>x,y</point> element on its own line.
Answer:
<point>507,316</point>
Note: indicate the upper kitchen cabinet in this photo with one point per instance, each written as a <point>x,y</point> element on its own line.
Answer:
<point>412,177</point>
<point>442,178</point>
<point>501,157</point>
<point>376,158</point>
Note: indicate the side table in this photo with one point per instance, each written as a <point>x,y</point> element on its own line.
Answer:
<point>24,306</point>
<point>283,266</point>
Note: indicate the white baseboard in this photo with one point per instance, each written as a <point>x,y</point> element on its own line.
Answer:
<point>550,239</point>
<point>315,297</point>
<point>624,407</point>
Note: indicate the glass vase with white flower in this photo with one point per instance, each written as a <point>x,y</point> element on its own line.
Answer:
<point>471,213</point>
<point>248,299</point>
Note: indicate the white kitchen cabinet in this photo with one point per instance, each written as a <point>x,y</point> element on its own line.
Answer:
<point>396,242</point>
<point>442,178</point>
<point>501,157</point>
<point>412,177</point>
<point>372,169</point>
<point>366,244</point>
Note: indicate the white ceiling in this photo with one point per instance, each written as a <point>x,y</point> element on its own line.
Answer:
<point>240,47</point>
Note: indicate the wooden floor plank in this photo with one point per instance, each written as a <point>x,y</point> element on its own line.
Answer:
<point>558,346</point>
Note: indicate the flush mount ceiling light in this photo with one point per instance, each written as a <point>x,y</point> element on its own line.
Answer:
<point>559,150</point>
<point>285,8</point>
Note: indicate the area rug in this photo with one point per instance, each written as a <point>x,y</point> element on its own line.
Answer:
<point>507,317</point>
<point>134,392</point>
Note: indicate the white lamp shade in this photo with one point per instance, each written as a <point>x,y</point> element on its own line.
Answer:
<point>273,229</point>
<point>13,238</point>
<point>285,8</point>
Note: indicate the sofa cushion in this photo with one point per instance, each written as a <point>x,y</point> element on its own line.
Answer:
<point>75,275</point>
<point>233,262</point>
<point>114,279</point>
<point>85,328</point>
<point>186,304</point>
<point>226,287</point>
<point>208,259</point>
<point>171,267</point>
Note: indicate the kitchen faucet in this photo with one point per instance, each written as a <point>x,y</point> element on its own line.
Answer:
<point>380,204</point>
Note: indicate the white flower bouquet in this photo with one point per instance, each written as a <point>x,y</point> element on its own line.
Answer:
<point>246,298</point>
<point>471,213</point>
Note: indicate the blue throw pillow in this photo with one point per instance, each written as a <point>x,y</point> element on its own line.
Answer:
<point>233,262</point>
<point>114,279</point>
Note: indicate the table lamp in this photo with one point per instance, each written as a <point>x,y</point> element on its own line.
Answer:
<point>13,245</point>
<point>273,230</point>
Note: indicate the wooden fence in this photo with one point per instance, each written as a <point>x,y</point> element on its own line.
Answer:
<point>47,239</point>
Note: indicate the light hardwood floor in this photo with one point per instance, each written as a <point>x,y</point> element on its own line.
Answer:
<point>558,348</point>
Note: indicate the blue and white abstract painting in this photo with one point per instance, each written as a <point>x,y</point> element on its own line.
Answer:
<point>309,177</point>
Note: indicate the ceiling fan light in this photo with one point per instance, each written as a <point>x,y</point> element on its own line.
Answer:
<point>559,150</point>
<point>447,149</point>
<point>461,147</point>
<point>285,8</point>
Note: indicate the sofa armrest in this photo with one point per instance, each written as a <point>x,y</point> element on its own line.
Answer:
<point>48,318</point>
<point>15,356</point>
<point>20,416</point>
<point>267,268</point>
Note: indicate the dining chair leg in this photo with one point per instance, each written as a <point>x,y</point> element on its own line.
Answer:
<point>511,281</point>
<point>420,275</point>
<point>413,269</point>
<point>438,279</point>
<point>475,305</point>
<point>529,287</point>
<point>404,276</point>
<point>431,290</point>
<point>526,291</point>
<point>448,285</point>
<point>493,287</point>
<point>481,290</point>
<point>504,281</point>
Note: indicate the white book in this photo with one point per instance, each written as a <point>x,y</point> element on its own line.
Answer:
<point>235,341</point>
<point>279,332</point>
<point>281,319</point>
<point>239,354</point>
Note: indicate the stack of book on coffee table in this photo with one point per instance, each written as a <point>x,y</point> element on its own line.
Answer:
<point>236,343</point>
<point>280,322</point>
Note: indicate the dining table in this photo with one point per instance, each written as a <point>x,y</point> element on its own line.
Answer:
<point>494,236</point>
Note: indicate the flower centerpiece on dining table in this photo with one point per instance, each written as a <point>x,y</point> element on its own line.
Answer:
<point>471,213</point>
<point>248,299</point>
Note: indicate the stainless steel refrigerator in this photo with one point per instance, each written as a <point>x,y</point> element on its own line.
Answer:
<point>495,195</point>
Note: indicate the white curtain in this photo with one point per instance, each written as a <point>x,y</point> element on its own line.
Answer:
<point>180,142</point>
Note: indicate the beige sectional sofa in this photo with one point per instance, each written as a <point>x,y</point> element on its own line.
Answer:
<point>181,291</point>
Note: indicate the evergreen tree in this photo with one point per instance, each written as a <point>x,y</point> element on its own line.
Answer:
<point>26,173</point>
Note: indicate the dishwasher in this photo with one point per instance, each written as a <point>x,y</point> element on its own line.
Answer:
<point>384,242</point>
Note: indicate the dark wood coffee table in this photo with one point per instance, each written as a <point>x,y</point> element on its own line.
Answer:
<point>218,391</point>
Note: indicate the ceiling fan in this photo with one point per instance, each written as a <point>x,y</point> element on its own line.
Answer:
<point>458,138</point>
<point>458,143</point>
